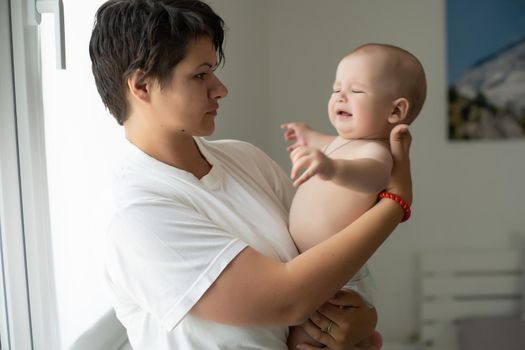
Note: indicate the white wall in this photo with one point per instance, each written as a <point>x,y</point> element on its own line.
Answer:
<point>281,61</point>
<point>245,114</point>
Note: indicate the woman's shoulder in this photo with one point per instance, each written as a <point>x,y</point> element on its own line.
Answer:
<point>236,148</point>
<point>229,143</point>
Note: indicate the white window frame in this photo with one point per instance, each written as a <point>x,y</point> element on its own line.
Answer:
<point>26,235</point>
<point>14,306</point>
<point>28,305</point>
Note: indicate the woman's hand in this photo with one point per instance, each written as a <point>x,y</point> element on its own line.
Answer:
<point>401,179</point>
<point>344,323</point>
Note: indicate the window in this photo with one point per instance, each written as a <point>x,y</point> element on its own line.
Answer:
<point>56,168</point>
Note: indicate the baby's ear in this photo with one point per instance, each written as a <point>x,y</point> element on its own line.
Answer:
<point>400,110</point>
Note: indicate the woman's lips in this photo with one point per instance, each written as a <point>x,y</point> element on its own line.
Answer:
<point>213,110</point>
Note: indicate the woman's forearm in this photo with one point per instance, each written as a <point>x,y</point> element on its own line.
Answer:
<point>255,289</point>
<point>330,264</point>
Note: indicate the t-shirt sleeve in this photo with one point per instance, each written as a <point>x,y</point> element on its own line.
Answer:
<point>165,255</point>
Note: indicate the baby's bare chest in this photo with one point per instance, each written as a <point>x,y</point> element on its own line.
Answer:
<point>322,208</point>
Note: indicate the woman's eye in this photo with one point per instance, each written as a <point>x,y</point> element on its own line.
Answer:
<point>200,76</point>
<point>336,91</point>
<point>357,91</point>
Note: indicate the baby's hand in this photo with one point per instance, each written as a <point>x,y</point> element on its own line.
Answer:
<point>315,163</point>
<point>297,132</point>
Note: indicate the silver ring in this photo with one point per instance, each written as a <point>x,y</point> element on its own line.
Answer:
<point>328,328</point>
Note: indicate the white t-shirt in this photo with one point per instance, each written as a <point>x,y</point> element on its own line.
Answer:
<point>173,234</point>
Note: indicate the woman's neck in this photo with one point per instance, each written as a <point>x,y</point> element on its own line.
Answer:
<point>176,149</point>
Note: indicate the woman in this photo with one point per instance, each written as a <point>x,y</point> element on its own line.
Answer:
<point>199,256</point>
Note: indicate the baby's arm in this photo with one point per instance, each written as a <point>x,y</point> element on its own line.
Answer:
<point>368,173</point>
<point>303,135</point>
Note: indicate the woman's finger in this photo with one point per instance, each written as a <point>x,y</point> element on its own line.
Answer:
<point>401,179</point>
<point>322,321</point>
<point>400,140</point>
<point>336,314</point>
<point>324,337</point>
<point>312,347</point>
<point>347,298</point>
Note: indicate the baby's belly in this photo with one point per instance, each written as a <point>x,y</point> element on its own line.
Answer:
<point>320,209</point>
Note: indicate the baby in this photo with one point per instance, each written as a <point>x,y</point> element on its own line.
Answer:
<point>376,87</point>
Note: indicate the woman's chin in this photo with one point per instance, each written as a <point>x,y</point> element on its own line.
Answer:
<point>208,131</point>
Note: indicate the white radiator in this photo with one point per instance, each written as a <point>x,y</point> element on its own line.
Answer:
<point>461,284</point>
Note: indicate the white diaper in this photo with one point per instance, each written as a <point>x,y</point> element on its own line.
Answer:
<point>363,283</point>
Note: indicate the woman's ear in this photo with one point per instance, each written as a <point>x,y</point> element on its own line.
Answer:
<point>139,87</point>
<point>400,111</point>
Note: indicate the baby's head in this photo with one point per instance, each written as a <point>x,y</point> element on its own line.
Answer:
<point>376,87</point>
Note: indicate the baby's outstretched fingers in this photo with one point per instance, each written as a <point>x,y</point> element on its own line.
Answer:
<point>303,178</point>
<point>296,132</point>
<point>292,147</point>
<point>300,161</point>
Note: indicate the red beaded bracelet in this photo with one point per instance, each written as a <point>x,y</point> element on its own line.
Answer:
<point>401,202</point>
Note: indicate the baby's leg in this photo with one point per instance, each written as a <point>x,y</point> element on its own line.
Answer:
<point>299,336</point>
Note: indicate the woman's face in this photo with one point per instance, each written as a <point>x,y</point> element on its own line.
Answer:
<point>189,102</point>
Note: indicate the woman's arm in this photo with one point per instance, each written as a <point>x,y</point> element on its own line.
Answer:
<point>255,289</point>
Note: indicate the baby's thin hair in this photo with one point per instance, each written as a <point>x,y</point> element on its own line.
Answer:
<point>408,71</point>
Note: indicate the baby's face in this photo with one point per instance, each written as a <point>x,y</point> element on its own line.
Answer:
<point>361,100</point>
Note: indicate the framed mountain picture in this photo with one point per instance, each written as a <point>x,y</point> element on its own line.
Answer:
<point>486,69</point>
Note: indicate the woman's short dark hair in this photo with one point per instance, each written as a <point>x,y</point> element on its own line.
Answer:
<point>150,35</point>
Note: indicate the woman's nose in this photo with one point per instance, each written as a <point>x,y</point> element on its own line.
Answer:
<point>219,90</point>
